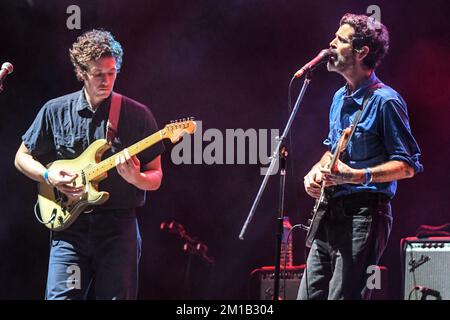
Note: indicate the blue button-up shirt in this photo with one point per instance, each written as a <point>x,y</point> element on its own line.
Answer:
<point>382,134</point>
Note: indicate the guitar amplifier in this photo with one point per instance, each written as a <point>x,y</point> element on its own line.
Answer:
<point>425,268</point>
<point>262,282</point>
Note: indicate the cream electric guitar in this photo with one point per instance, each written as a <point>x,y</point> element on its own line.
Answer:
<point>58,212</point>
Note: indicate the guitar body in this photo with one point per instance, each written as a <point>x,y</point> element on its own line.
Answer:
<point>317,214</point>
<point>57,211</point>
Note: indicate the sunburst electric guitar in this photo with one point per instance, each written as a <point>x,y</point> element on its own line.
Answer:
<point>321,204</point>
<point>57,211</point>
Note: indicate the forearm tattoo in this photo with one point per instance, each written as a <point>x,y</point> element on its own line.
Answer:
<point>386,173</point>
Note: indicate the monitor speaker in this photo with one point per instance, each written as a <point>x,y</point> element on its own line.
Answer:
<point>262,283</point>
<point>425,268</point>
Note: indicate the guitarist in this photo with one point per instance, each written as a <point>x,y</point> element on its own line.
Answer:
<point>104,243</point>
<point>357,222</point>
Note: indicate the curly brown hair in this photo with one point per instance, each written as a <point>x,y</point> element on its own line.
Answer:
<point>93,45</point>
<point>371,33</point>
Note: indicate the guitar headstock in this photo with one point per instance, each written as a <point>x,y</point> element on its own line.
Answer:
<point>175,129</point>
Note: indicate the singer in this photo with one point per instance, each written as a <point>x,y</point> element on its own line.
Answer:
<point>357,219</point>
<point>103,244</point>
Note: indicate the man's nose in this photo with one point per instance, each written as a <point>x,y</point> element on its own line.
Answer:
<point>106,78</point>
<point>333,44</point>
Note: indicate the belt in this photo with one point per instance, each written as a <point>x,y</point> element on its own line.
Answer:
<point>361,199</point>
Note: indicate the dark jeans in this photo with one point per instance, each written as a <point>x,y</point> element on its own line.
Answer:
<point>352,236</point>
<point>105,245</point>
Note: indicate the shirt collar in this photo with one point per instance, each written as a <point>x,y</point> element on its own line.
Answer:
<point>84,104</point>
<point>360,92</point>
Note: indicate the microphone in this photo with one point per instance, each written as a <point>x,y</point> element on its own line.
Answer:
<point>7,68</point>
<point>321,57</point>
<point>429,292</point>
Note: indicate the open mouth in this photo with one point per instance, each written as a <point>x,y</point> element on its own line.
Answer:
<point>333,57</point>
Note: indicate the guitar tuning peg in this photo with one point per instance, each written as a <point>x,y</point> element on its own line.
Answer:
<point>171,121</point>
<point>192,118</point>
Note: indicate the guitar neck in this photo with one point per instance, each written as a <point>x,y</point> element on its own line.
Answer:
<point>335,158</point>
<point>341,146</point>
<point>102,167</point>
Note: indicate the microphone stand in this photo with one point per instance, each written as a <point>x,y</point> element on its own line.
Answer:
<point>279,153</point>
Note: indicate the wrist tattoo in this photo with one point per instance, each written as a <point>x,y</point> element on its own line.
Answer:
<point>347,175</point>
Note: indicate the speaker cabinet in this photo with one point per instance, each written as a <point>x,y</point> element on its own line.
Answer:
<point>262,282</point>
<point>425,268</point>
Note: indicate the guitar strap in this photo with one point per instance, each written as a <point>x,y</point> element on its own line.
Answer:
<point>114,115</point>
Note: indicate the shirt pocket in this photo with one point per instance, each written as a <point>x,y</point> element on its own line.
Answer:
<point>359,136</point>
<point>67,146</point>
<point>362,143</point>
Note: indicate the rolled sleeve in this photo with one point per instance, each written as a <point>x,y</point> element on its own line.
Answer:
<point>398,139</point>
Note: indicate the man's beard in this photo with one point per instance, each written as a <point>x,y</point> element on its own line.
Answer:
<point>339,63</point>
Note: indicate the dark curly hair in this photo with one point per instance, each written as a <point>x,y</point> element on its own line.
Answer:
<point>93,45</point>
<point>371,33</point>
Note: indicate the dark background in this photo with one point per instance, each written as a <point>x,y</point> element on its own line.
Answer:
<point>228,63</point>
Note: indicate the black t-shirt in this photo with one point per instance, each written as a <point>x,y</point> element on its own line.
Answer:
<point>66,126</point>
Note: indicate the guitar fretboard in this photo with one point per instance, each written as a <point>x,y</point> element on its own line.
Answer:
<point>100,168</point>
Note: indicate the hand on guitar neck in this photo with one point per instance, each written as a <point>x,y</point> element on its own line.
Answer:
<point>322,174</point>
<point>330,171</point>
<point>313,180</point>
<point>128,167</point>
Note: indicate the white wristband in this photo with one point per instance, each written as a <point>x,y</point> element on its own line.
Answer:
<point>367,177</point>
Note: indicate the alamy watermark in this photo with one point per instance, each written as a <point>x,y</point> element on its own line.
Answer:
<point>375,16</point>
<point>235,146</point>
<point>74,279</point>
<point>374,278</point>
<point>74,19</point>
